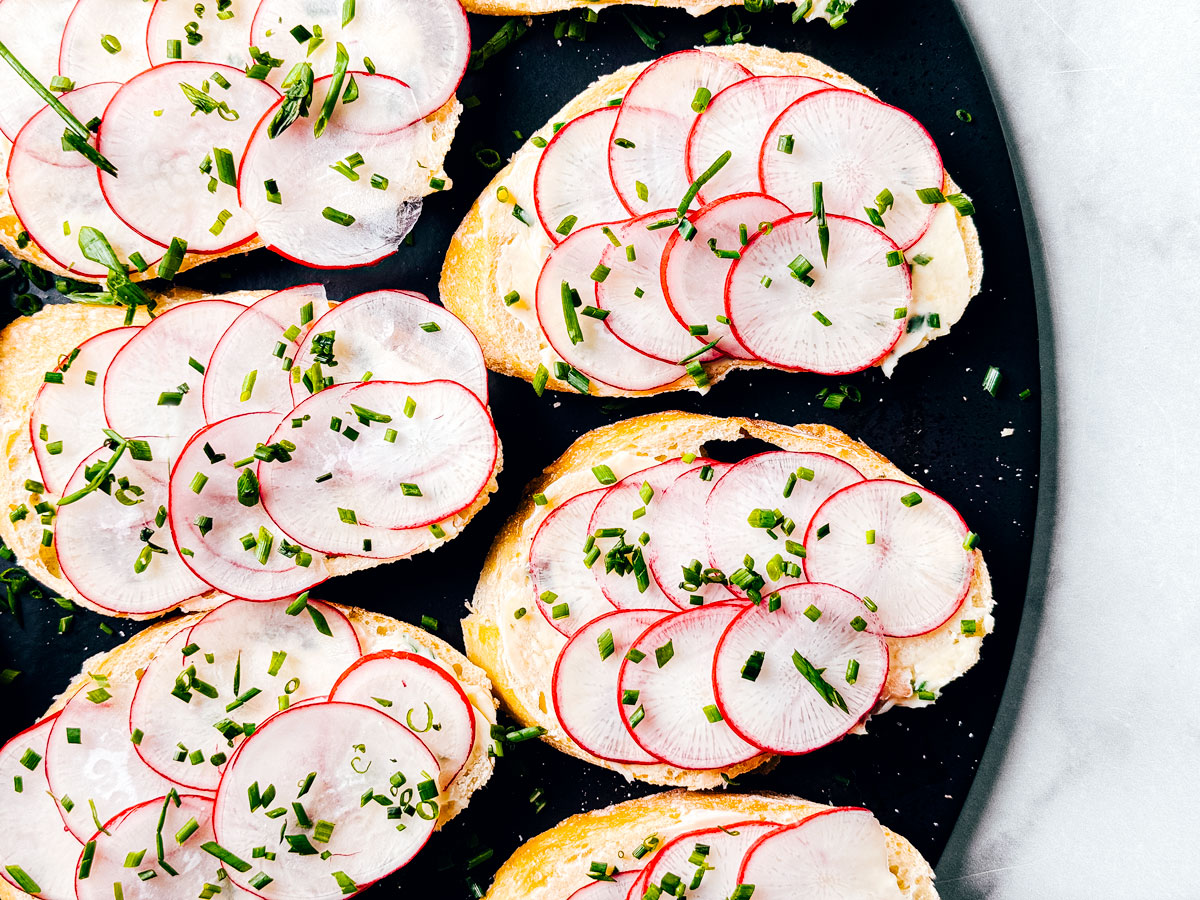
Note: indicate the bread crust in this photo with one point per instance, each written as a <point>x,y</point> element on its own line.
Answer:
<point>935,659</point>
<point>470,286</point>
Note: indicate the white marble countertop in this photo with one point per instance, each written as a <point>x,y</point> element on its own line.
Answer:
<point>1088,786</point>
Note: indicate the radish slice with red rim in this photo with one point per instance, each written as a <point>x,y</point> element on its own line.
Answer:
<point>32,837</point>
<point>353,750</point>
<point>393,336</point>
<point>666,696</point>
<point>631,292</point>
<point>99,538</point>
<point>857,147</point>
<point>720,851</point>
<point>565,196</point>
<point>154,383</point>
<point>271,657</point>
<point>558,569</point>
<point>36,48</point>
<point>585,685</point>
<point>832,854</point>
<point>103,769</point>
<point>617,888</point>
<point>694,275</point>
<point>656,115</point>
<point>898,544</point>
<point>63,183</point>
<point>318,215</point>
<point>629,506</point>
<point>795,484</point>
<point>737,119</point>
<point>796,677</point>
<point>232,543</point>
<point>257,346</point>
<point>600,355</point>
<point>223,40</point>
<point>420,695</point>
<point>159,142</point>
<point>104,40</point>
<point>679,540</point>
<point>426,43</point>
<point>846,321</point>
<point>73,421</point>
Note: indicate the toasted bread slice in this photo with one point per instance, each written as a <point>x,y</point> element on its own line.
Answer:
<point>555,863</point>
<point>519,654</point>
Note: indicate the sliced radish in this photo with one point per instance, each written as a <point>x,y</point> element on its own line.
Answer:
<point>137,831</point>
<point>425,43</point>
<point>833,854</point>
<point>100,539</point>
<point>917,569</point>
<point>102,769</point>
<point>617,888</point>
<point>630,505</point>
<point>256,343</point>
<point>164,360</point>
<point>857,147</point>
<point>568,192</point>
<point>395,336</point>
<point>32,837</point>
<point>679,539</point>
<point>693,275</point>
<point>69,412</point>
<point>256,646</point>
<point>63,193</point>
<point>719,850</point>
<point>631,291</point>
<point>436,462</point>
<point>104,40</point>
<point>600,355</point>
<point>795,484</point>
<point>673,715</point>
<point>557,567</point>
<point>160,142</point>
<point>846,321</point>
<point>793,679</point>
<point>737,119</point>
<point>225,37</point>
<point>36,48</point>
<point>419,694</point>
<point>585,685</point>
<point>353,750</point>
<point>657,114</point>
<point>216,524</point>
<point>318,215</point>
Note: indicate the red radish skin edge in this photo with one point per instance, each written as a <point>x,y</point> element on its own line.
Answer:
<point>771,834</point>
<point>125,813</point>
<point>546,614</point>
<point>47,720</point>
<point>326,610</point>
<point>640,885</point>
<point>556,238</point>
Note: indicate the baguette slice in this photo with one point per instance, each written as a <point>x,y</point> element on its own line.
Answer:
<point>519,654</point>
<point>819,9</point>
<point>492,253</point>
<point>32,346</point>
<point>555,863</point>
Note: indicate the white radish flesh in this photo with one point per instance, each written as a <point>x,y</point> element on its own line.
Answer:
<point>70,412</point>
<point>832,855</point>
<point>679,536</point>
<point>673,715</point>
<point>55,192</point>
<point>585,695</point>
<point>104,40</point>
<point>615,889</point>
<point>857,147</point>
<point>693,275</point>
<point>420,695</point>
<point>36,48</point>
<point>657,113</point>
<point>846,321</point>
<point>722,857</point>
<point>557,568</point>
<point>158,141</point>
<point>352,749</point>
<point>818,664</point>
<point>737,120</point>
<point>898,544</point>
<point>223,40</point>
<point>571,179</point>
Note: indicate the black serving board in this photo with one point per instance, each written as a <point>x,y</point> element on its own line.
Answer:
<point>933,419</point>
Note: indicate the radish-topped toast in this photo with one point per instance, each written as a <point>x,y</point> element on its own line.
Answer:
<point>682,620</point>
<point>250,445</point>
<point>185,131</point>
<point>717,846</point>
<point>282,749</point>
<point>714,209</point>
